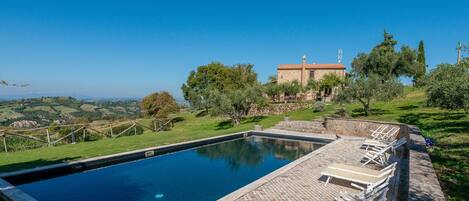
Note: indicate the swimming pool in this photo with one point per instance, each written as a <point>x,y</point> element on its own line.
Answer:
<point>203,173</point>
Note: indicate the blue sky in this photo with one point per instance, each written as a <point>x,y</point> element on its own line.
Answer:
<point>131,48</point>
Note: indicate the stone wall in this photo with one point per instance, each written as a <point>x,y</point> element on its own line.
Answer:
<point>278,108</point>
<point>344,127</point>
<point>360,128</point>
<point>303,126</point>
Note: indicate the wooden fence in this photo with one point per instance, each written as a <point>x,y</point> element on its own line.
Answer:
<point>72,133</point>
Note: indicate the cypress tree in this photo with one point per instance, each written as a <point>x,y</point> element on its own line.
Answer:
<point>421,67</point>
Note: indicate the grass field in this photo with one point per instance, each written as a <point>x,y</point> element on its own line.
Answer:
<point>189,129</point>
<point>448,129</point>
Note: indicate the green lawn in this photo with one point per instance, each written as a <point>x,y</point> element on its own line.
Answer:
<point>448,129</point>
<point>189,129</point>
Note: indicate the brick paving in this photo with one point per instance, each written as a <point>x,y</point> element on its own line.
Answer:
<point>301,180</point>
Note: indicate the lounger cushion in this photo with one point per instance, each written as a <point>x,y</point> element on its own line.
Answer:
<point>349,176</point>
<point>370,142</point>
<point>355,169</point>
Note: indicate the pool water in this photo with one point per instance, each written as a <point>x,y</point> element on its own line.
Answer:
<point>204,173</point>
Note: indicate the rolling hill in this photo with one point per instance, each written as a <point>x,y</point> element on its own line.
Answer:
<point>47,110</point>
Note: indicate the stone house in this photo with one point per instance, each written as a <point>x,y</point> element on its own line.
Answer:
<point>304,71</point>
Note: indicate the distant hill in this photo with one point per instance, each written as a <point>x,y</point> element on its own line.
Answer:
<point>47,110</point>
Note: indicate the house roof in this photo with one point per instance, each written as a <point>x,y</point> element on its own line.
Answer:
<point>310,66</point>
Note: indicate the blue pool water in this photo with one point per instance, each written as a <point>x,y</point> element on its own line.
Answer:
<point>204,173</point>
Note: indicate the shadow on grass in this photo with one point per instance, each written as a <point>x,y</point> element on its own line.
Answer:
<point>224,125</point>
<point>442,121</point>
<point>229,124</point>
<point>452,172</point>
<point>201,113</point>
<point>178,119</point>
<point>449,157</point>
<point>33,164</point>
<point>408,107</point>
<point>359,112</point>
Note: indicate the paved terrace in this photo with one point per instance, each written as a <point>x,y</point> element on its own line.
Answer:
<point>301,179</point>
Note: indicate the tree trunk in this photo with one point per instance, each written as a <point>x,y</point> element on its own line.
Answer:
<point>236,120</point>
<point>366,109</point>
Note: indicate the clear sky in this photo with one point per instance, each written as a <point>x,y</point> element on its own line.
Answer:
<point>131,48</point>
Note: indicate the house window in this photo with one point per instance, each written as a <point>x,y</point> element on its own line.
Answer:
<point>311,74</point>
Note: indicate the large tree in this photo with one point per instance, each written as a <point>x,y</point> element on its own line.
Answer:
<point>421,65</point>
<point>158,104</point>
<point>199,83</point>
<point>291,89</point>
<point>215,76</point>
<point>385,61</point>
<point>273,89</point>
<point>448,87</point>
<point>366,89</point>
<point>375,76</point>
<point>224,90</point>
<point>329,82</point>
<point>237,103</point>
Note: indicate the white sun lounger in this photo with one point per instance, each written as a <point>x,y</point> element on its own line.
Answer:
<point>378,130</point>
<point>377,155</point>
<point>377,192</point>
<point>358,176</point>
<point>381,141</point>
<point>362,170</point>
<point>385,135</point>
<point>379,145</point>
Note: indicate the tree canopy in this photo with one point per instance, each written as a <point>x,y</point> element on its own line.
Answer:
<point>221,89</point>
<point>421,65</point>
<point>158,104</point>
<point>448,86</point>
<point>367,89</point>
<point>375,76</point>
<point>385,61</point>
<point>215,76</point>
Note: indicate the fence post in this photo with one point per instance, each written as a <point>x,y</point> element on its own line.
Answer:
<point>154,125</point>
<point>135,129</point>
<point>73,136</point>
<point>110,126</point>
<point>5,141</point>
<point>84,134</point>
<point>48,137</point>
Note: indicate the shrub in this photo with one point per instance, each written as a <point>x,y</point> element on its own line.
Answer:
<point>319,107</point>
<point>341,112</point>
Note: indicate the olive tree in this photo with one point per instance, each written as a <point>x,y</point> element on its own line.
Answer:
<point>366,89</point>
<point>448,87</point>
<point>237,103</point>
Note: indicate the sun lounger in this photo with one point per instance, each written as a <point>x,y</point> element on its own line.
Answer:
<point>377,193</point>
<point>376,181</point>
<point>379,145</point>
<point>378,130</point>
<point>386,135</point>
<point>377,155</point>
<point>362,170</point>
<point>358,176</point>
